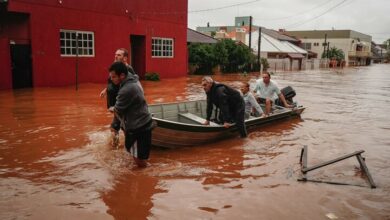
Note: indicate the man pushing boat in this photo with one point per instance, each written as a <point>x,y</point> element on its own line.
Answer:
<point>228,100</point>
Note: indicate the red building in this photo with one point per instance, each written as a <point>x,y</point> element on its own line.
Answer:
<point>53,42</point>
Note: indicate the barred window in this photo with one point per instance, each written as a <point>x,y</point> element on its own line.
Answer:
<point>307,46</point>
<point>84,46</point>
<point>162,47</point>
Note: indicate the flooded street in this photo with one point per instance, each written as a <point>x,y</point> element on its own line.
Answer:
<point>56,161</point>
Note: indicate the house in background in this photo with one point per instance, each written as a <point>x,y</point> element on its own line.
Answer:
<point>281,51</point>
<point>48,43</point>
<point>379,52</point>
<point>356,46</point>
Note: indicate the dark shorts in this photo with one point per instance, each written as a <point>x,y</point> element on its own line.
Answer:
<point>262,100</point>
<point>139,143</point>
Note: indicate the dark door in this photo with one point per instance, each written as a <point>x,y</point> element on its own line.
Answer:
<point>138,55</point>
<point>21,66</point>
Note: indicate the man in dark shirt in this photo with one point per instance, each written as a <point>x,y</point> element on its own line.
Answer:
<point>228,100</point>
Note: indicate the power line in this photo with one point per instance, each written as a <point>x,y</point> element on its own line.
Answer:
<point>297,24</point>
<point>195,11</point>
<point>299,13</point>
<point>223,7</point>
<point>380,33</point>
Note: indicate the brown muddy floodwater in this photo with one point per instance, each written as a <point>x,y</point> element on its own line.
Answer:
<point>56,161</point>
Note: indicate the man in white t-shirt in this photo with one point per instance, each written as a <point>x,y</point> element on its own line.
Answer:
<point>266,90</point>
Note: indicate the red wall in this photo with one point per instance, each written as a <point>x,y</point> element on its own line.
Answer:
<point>5,65</point>
<point>112,26</point>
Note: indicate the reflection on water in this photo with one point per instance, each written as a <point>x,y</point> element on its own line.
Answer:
<point>56,160</point>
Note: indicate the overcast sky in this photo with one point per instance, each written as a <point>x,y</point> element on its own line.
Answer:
<point>368,17</point>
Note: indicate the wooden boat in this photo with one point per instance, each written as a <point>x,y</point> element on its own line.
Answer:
<point>180,124</point>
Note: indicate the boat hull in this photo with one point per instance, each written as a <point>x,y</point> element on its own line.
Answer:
<point>178,132</point>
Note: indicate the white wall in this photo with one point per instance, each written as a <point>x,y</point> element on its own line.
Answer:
<point>345,44</point>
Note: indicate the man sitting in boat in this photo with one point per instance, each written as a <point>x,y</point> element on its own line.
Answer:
<point>265,90</point>
<point>251,105</point>
<point>228,100</point>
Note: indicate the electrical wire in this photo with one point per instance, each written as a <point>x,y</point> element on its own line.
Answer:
<point>298,13</point>
<point>297,24</point>
<point>223,7</point>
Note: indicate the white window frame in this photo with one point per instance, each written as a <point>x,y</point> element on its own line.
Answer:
<point>162,47</point>
<point>68,43</point>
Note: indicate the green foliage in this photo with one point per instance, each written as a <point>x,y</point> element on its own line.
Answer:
<point>231,56</point>
<point>386,42</point>
<point>221,54</point>
<point>152,76</point>
<point>202,56</point>
<point>334,53</point>
<point>264,63</point>
<point>387,55</point>
<point>239,56</point>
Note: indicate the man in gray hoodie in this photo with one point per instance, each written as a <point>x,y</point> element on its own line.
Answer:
<point>132,111</point>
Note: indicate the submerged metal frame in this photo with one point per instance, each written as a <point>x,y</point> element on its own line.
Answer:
<point>305,169</point>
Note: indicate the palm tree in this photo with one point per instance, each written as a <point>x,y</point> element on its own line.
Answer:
<point>334,53</point>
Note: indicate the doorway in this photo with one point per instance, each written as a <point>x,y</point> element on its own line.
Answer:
<point>138,54</point>
<point>21,66</point>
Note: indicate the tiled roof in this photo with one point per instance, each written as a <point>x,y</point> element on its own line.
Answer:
<point>279,36</point>
<point>197,37</point>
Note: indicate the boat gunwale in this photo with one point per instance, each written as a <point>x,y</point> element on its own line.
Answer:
<point>256,121</point>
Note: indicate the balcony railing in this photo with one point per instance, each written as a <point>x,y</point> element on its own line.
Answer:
<point>359,53</point>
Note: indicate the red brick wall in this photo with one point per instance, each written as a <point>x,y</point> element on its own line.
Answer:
<point>112,23</point>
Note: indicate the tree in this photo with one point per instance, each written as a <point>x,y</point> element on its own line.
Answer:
<point>239,56</point>
<point>387,47</point>
<point>264,63</point>
<point>387,43</point>
<point>221,54</point>
<point>202,56</point>
<point>334,53</point>
<point>231,56</point>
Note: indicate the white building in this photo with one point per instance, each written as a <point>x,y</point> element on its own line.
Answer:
<point>356,46</point>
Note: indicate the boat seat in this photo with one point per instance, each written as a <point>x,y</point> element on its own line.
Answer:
<point>195,118</point>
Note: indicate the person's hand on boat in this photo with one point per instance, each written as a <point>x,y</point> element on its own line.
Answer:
<point>103,93</point>
<point>111,109</point>
<point>227,125</point>
<point>206,122</point>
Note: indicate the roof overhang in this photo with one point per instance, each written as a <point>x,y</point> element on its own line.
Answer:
<point>295,55</point>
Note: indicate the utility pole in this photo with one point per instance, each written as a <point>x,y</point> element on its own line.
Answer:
<point>307,48</point>
<point>250,32</point>
<point>258,49</point>
<point>77,61</point>
<point>325,44</point>
<point>327,51</point>
<point>381,55</point>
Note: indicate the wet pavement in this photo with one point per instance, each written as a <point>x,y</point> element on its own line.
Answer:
<point>56,161</point>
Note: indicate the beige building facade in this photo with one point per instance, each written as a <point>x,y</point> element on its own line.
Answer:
<point>356,46</point>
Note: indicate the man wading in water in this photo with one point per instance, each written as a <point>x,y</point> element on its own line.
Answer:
<point>132,111</point>
<point>111,91</point>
